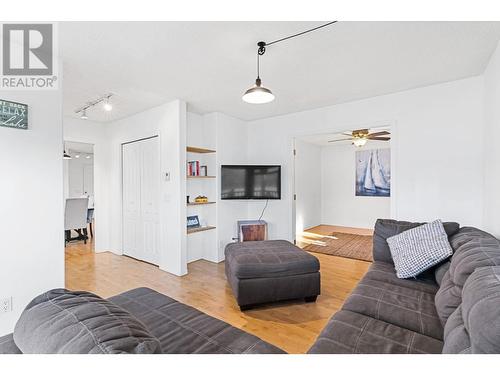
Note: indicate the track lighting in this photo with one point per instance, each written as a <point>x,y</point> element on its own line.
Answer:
<point>106,105</point>
<point>259,94</point>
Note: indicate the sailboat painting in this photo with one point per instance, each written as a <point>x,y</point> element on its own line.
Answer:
<point>373,173</point>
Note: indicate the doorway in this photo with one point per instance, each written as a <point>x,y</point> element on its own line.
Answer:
<point>342,184</point>
<point>79,187</point>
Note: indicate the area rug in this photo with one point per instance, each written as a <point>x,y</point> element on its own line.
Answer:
<point>345,245</point>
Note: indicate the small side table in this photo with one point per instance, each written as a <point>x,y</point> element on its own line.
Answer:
<point>252,230</point>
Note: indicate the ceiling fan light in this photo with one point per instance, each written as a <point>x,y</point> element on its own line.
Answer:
<point>359,142</point>
<point>258,94</point>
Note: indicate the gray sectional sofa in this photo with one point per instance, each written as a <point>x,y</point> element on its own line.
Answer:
<point>451,308</point>
<point>140,321</point>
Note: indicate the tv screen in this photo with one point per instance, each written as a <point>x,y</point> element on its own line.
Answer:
<point>251,182</point>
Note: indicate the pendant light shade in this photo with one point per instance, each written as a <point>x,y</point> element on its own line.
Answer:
<point>258,94</point>
<point>66,155</point>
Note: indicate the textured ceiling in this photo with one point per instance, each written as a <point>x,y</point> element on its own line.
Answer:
<point>210,64</point>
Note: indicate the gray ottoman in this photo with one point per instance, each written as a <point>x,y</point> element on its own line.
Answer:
<point>270,271</point>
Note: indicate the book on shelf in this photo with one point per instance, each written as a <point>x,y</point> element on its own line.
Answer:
<point>193,168</point>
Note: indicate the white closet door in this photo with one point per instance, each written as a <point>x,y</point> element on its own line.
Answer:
<point>150,190</point>
<point>132,228</point>
<point>141,186</point>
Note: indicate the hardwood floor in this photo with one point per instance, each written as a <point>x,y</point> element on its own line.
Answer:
<point>292,326</point>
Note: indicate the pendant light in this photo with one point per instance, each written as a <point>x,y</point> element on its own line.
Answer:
<point>84,115</point>
<point>66,155</point>
<point>259,94</point>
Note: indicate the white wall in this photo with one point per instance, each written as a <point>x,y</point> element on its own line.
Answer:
<point>168,121</point>
<point>31,191</point>
<point>307,185</point>
<point>437,142</point>
<point>231,149</point>
<point>491,147</point>
<point>76,177</point>
<point>340,205</point>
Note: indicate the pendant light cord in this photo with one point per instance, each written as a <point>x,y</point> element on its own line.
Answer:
<point>301,33</point>
<point>258,65</point>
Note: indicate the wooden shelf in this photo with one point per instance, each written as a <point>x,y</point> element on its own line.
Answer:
<point>200,229</point>
<point>199,150</point>
<point>199,203</point>
<point>193,177</point>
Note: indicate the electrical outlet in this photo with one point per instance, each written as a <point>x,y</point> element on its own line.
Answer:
<point>6,305</point>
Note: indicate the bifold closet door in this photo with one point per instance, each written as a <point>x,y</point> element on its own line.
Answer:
<point>141,182</point>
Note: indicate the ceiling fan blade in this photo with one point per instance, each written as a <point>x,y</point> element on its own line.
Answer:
<point>378,134</point>
<point>379,138</point>
<point>347,133</point>
<point>339,140</point>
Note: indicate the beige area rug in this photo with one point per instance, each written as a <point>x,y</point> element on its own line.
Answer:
<point>345,245</point>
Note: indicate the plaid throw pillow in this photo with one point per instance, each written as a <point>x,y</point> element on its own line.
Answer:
<point>418,249</point>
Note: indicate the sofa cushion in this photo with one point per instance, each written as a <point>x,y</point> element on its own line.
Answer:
<point>62,321</point>
<point>440,271</point>
<point>385,228</point>
<point>474,327</point>
<point>473,248</point>
<point>255,259</point>
<point>350,332</point>
<point>185,330</point>
<point>8,346</point>
<point>456,338</point>
<point>385,272</point>
<point>401,305</point>
<point>419,249</point>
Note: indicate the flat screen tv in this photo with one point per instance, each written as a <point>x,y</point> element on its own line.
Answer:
<point>251,182</point>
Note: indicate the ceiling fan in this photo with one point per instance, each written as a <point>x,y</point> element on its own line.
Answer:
<point>361,136</point>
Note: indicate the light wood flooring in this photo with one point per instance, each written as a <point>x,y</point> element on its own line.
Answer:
<point>292,326</point>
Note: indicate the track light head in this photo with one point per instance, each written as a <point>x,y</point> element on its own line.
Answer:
<point>107,105</point>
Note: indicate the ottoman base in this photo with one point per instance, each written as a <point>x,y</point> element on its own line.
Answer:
<point>252,292</point>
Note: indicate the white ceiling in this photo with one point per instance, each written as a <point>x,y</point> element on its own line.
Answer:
<point>210,64</point>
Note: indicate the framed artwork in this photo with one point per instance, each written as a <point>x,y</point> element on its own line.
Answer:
<point>13,115</point>
<point>203,170</point>
<point>193,222</point>
<point>373,173</point>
